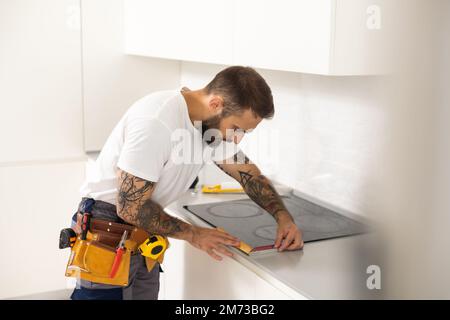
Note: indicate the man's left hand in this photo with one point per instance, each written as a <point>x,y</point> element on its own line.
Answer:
<point>289,237</point>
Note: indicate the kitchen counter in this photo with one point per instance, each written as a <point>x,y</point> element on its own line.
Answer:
<point>329,269</point>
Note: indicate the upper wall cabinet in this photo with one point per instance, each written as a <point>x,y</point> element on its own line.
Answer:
<point>292,35</point>
<point>112,81</point>
<point>40,81</point>
<point>330,37</point>
<point>195,30</point>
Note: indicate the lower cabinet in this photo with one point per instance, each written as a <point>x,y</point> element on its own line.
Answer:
<point>192,274</point>
<point>38,200</point>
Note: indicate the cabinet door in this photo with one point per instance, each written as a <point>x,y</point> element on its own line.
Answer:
<point>196,30</point>
<point>112,81</point>
<point>40,80</point>
<point>37,202</point>
<point>362,33</point>
<point>191,274</point>
<point>291,35</point>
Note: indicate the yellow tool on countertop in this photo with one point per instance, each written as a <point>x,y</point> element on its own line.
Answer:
<point>153,247</point>
<point>219,189</point>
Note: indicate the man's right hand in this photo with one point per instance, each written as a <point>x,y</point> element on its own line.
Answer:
<point>213,241</point>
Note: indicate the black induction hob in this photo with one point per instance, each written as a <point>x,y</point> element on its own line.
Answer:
<point>253,225</point>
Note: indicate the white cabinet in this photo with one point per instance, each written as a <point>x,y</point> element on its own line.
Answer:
<point>330,37</point>
<point>362,36</point>
<point>292,35</point>
<point>196,30</point>
<point>37,202</point>
<point>191,274</point>
<point>112,81</point>
<point>40,81</point>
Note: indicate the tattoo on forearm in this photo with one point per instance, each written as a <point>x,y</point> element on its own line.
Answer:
<point>135,206</point>
<point>238,158</point>
<point>260,190</point>
<point>257,186</point>
<point>245,178</point>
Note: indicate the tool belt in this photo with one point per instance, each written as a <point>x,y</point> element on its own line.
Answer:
<point>94,251</point>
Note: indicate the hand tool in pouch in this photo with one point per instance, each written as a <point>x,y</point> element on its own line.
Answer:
<point>85,223</point>
<point>153,247</point>
<point>86,209</point>
<point>67,238</point>
<point>119,252</point>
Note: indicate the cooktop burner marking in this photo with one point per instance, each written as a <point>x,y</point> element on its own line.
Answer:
<point>266,232</point>
<point>239,210</point>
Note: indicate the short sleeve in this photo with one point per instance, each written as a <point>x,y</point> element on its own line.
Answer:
<point>146,148</point>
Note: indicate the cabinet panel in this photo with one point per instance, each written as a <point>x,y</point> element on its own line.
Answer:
<point>361,39</point>
<point>191,274</point>
<point>40,80</point>
<point>112,81</point>
<point>196,30</point>
<point>330,37</point>
<point>292,35</point>
<point>37,202</point>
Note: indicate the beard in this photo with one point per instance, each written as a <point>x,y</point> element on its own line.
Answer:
<point>212,123</point>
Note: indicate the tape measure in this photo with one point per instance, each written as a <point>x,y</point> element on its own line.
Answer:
<point>67,238</point>
<point>153,247</point>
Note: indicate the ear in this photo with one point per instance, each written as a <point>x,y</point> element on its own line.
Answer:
<point>216,104</point>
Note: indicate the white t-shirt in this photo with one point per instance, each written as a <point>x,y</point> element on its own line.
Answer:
<point>155,140</point>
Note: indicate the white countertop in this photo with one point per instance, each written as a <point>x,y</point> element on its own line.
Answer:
<point>328,269</point>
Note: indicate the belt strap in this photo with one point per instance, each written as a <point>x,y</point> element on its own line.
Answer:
<point>100,210</point>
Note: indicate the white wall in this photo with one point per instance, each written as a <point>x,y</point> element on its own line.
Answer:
<point>418,219</point>
<point>440,262</point>
<point>325,132</point>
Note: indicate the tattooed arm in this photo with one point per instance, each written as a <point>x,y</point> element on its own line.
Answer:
<point>135,206</point>
<point>256,185</point>
<point>261,191</point>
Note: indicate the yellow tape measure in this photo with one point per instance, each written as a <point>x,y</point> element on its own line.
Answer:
<point>153,247</point>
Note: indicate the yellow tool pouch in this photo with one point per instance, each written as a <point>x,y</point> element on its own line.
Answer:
<point>92,261</point>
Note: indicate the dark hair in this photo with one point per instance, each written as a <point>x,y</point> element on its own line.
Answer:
<point>242,88</point>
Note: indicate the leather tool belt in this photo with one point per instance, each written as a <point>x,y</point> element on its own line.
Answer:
<point>92,256</point>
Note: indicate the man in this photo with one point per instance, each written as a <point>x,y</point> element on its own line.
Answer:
<point>137,173</point>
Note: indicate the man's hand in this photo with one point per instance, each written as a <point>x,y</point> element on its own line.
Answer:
<point>213,241</point>
<point>289,237</point>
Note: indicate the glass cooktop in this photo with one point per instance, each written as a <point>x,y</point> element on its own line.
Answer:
<point>253,225</point>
